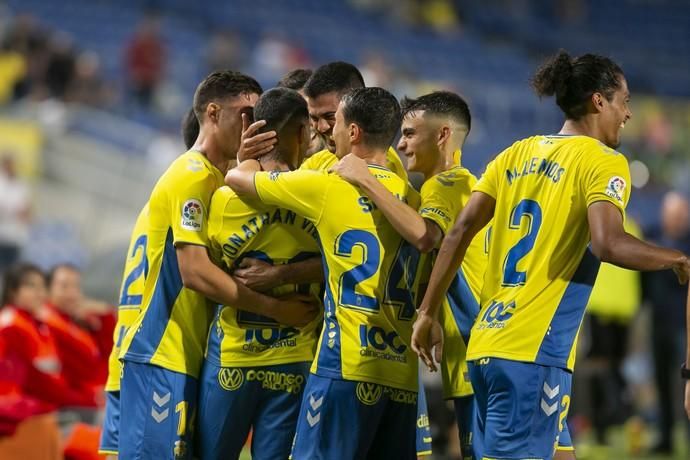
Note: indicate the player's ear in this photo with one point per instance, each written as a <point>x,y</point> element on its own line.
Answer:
<point>598,102</point>
<point>443,135</point>
<point>213,112</point>
<point>355,133</point>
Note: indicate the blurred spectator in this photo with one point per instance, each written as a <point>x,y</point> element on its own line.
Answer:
<point>61,66</point>
<point>31,381</point>
<point>225,51</point>
<point>376,71</point>
<point>612,306</point>
<point>145,60</point>
<point>667,298</point>
<point>87,85</point>
<point>274,56</point>
<point>12,72</point>
<point>83,327</point>
<point>15,208</point>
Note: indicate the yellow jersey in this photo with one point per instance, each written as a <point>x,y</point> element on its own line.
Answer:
<point>541,269</point>
<point>171,328</point>
<point>131,293</point>
<point>324,160</point>
<point>443,197</point>
<point>368,308</point>
<point>239,228</point>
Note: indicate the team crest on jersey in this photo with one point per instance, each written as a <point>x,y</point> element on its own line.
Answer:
<point>369,393</point>
<point>273,175</point>
<point>192,215</point>
<point>230,378</point>
<point>616,188</point>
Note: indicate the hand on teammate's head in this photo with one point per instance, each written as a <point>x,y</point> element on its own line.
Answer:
<point>252,143</point>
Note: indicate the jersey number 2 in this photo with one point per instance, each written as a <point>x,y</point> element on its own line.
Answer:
<point>141,269</point>
<point>530,210</point>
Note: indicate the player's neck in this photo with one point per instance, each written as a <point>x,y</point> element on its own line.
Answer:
<point>207,147</point>
<point>272,162</point>
<point>585,126</point>
<point>372,156</point>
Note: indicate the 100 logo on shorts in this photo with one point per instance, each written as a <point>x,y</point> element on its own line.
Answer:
<point>231,379</point>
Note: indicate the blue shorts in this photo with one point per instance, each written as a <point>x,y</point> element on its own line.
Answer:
<point>464,415</point>
<point>520,408</point>
<point>355,420</point>
<point>111,424</point>
<point>157,407</point>
<point>235,400</point>
<point>423,442</point>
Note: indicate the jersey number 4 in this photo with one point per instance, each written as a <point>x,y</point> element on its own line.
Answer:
<point>530,210</point>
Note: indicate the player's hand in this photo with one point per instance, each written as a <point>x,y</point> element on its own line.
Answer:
<point>427,335</point>
<point>352,168</point>
<point>296,310</point>
<point>253,145</point>
<point>257,274</point>
<point>682,270</point>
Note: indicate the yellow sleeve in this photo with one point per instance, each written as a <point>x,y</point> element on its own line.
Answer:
<point>189,195</point>
<point>301,191</point>
<point>394,163</point>
<point>442,200</point>
<point>607,178</point>
<point>489,181</point>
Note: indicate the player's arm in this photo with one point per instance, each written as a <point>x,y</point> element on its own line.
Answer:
<point>427,334</point>
<point>201,275</point>
<point>612,244</point>
<point>423,234</point>
<point>261,276</point>
<point>241,178</point>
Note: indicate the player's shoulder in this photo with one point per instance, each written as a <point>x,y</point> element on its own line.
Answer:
<point>190,166</point>
<point>320,160</point>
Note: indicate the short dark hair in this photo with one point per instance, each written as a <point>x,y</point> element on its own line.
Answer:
<point>440,103</point>
<point>574,80</point>
<point>339,77</point>
<point>14,277</point>
<point>221,85</point>
<point>280,107</point>
<point>53,271</point>
<point>376,112</point>
<point>189,128</point>
<point>295,79</point>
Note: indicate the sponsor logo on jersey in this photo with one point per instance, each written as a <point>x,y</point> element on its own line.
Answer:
<point>616,188</point>
<point>369,393</point>
<point>496,315</point>
<point>230,378</point>
<point>192,215</point>
<point>379,343</point>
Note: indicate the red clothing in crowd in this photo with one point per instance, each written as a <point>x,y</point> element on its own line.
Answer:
<point>32,369</point>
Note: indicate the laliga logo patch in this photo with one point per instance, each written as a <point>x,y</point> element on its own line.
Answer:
<point>230,379</point>
<point>192,215</point>
<point>369,393</point>
<point>616,188</point>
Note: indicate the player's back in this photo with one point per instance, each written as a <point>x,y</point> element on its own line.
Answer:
<point>540,271</point>
<point>170,330</point>
<point>241,228</point>
<point>368,318</point>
